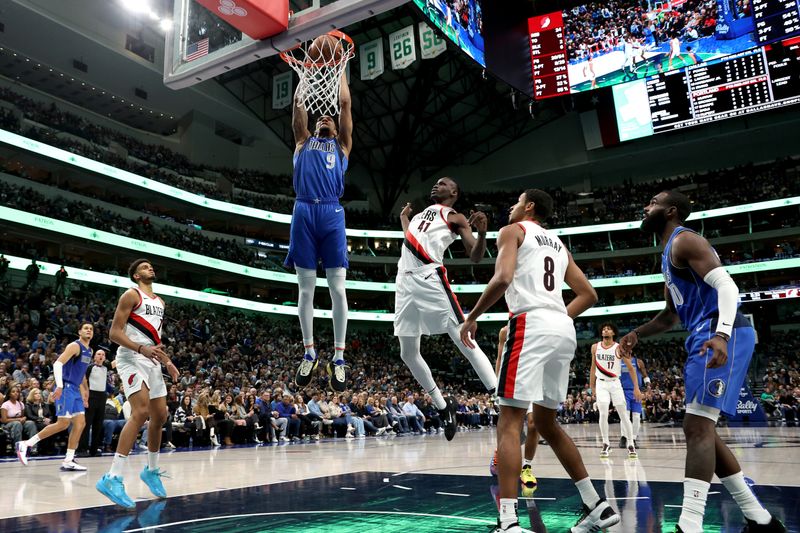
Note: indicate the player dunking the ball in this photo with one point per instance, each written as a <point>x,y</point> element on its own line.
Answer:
<point>703,296</point>
<point>424,302</point>
<point>71,396</point>
<point>532,265</point>
<point>136,327</point>
<point>318,231</point>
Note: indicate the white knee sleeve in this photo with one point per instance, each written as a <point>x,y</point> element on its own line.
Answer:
<point>637,420</point>
<point>476,358</point>
<point>409,352</point>
<point>603,408</point>
<point>306,281</point>
<point>336,281</point>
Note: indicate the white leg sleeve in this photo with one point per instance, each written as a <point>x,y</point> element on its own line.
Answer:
<point>336,279</point>
<point>603,407</point>
<point>306,281</point>
<point>637,421</point>
<point>476,358</point>
<point>625,422</point>
<point>409,352</point>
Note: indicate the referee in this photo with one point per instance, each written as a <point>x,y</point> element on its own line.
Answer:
<point>97,376</point>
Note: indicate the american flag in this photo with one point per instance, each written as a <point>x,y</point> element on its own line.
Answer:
<point>196,50</point>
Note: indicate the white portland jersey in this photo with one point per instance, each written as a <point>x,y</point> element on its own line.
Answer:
<point>542,262</point>
<point>606,362</point>
<point>144,322</point>
<point>428,236</point>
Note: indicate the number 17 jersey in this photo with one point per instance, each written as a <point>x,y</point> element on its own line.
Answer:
<point>542,261</point>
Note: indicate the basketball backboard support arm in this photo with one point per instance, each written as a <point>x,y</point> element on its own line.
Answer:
<point>303,26</point>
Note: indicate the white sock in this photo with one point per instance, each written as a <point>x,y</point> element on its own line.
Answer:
<point>508,512</point>
<point>152,460</point>
<point>118,465</point>
<point>70,456</point>
<point>476,358</point>
<point>337,278</point>
<point>33,441</point>
<point>527,462</point>
<point>695,492</point>
<point>588,493</point>
<point>438,399</point>
<point>338,353</point>
<point>308,344</point>
<point>306,281</point>
<point>637,421</point>
<point>603,408</point>
<point>745,499</point>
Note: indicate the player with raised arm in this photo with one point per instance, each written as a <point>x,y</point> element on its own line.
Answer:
<point>71,397</point>
<point>532,265</point>
<point>629,382</point>
<point>424,302</point>
<point>317,232</point>
<point>605,384</point>
<point>703,296</point>
<point>136,327</point>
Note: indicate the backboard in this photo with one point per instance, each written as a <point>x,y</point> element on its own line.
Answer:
<point>201,45</point>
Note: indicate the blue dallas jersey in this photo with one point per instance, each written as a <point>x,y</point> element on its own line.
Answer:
<point>694,299</point>
<point>625,376</point>
<point>319,167</point>
<point>74,370</point>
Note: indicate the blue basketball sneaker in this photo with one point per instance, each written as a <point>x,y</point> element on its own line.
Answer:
<point>113,489</point>
<point>152,478</point>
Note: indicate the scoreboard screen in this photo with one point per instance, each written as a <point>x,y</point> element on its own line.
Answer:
<point>757,80</point>
<point>548,56</point>
<point>776,19</point>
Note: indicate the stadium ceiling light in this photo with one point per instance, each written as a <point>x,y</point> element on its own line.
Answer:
<point>137,6</point>
<point>165,24</point>
<point>153,15</point>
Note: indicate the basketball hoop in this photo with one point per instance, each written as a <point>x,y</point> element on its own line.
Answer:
<point>320,65</point>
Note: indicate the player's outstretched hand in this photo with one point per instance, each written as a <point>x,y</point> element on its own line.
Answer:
<point>468,329</point>
<point>627,343</point>
<point>478,220</point>
<point>719,349</point>
<point>406,212</point>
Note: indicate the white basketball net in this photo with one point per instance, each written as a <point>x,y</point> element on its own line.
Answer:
<point>320,79</point>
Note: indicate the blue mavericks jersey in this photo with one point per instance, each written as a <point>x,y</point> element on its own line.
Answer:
<point>625,376</point>
<point>75,369</point>
<point>319,167</point>
<point>694,299</point>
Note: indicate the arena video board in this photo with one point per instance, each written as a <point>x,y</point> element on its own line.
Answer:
<point>603,44</point>
<point>757,80</point>
<point>461,21</point>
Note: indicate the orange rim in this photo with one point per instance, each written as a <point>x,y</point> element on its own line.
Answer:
<point>289,58</point>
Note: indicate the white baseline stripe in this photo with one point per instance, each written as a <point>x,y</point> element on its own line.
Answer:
<point>228,517</point>
<point>453,494</point>
<point>402,487</point>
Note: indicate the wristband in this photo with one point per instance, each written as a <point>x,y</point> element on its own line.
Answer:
<point>722,335</point>
<point>647,381</point>
<point>139,349</point>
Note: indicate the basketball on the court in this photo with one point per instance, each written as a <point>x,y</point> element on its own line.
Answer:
<point>326,49</point>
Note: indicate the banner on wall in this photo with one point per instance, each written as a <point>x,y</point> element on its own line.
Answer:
<point>430,43</point>
<point>402,48</point>
<point>282,90</point>
<point>371,59</point>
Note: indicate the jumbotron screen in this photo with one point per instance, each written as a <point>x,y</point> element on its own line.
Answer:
<point>756,80</point>
<point>601,44</point>
<point>461,21</point>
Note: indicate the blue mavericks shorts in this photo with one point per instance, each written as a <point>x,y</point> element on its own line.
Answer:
<point>317,233</point>
<point>70,403</point>
<point>718,387</point>
<point>633,405</point>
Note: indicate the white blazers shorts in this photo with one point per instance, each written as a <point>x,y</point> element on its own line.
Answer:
<point>610,391</point>
<point>136,370</point>
<point>424,303</point>
<point>536,357</point>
